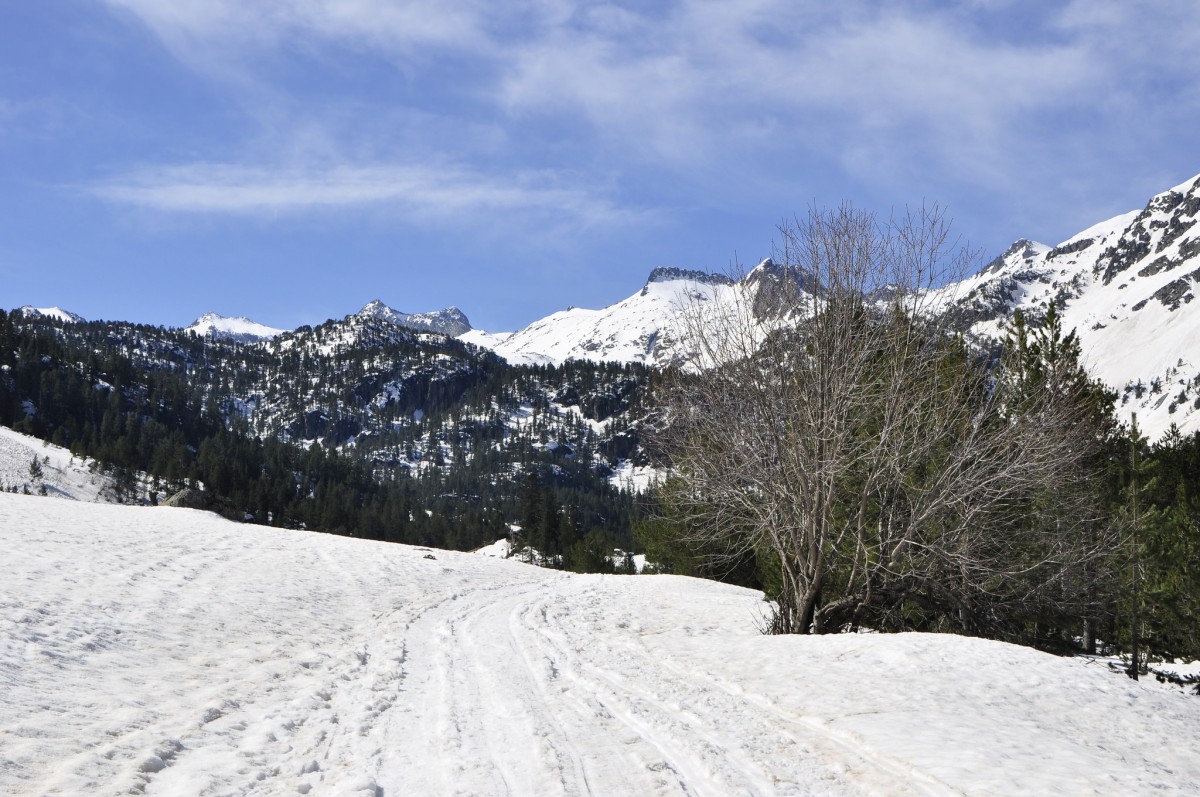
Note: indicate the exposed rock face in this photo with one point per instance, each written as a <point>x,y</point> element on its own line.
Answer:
<point>451,321</point>
<point>670,273</point>
<point>1127,285</point>
<point>187,498</point>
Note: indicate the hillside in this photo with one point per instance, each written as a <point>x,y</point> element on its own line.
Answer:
<point>361,425</point>
<point>168,652</point>
<point>1128,286</point>
<point>63,474</point>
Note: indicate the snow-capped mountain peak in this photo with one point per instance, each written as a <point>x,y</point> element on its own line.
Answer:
<point>377,309</point>
<point>649,327</point>
<point>451,321</point>
<point>57,313</point>
<point>1022,252</point>
<point>236,328</point>
<point>1128,286</point>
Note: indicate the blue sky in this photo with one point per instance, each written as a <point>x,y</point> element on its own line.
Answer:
<point>290,160</point>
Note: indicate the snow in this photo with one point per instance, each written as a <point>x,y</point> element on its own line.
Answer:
<point>500,549</point>
<point>238,328</point>
<point>63,475</point>
<point>648,327</point>
<point>635,478</point>
<point>484,340</point>
<point>1105,229</point>
<point>169,652</point>
<point>57,313</point>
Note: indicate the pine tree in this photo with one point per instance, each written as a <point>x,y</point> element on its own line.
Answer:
<point>1136,442</point>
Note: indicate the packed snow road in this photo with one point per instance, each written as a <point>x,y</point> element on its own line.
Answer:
<point>168,652</point>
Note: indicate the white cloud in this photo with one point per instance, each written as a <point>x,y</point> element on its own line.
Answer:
<point>683,67</point>
<point>710,78</point>
<point>418,192</point>
<point>980,94</point>
<point>237,24</point>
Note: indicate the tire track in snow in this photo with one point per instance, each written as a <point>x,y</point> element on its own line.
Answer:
<point>481,697</point>
<point>696,760</point>
<point>719,740</point>
<point>513,681</point>
<point>359,669</point>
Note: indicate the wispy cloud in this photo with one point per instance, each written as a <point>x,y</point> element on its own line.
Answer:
<point>760,92</point>
<point>697,71</point>
<point>708,79</point>
<point>418,192</point>
<point>230,25</point>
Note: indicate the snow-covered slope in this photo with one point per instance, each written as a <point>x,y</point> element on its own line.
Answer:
<point>168,652</point>
<point>648,327</point>
<point>239,328</point>
<point>485,340</point>
<point>1128,286</point>
<point>58,313</point>
<point>451,321</point>
<point>62,474</point>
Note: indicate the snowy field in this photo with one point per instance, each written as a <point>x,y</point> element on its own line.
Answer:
<point>167,652</point>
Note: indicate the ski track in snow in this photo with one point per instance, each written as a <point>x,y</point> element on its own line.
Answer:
<point>168,652</point>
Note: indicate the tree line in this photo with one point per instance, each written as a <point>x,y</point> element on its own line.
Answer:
<point>189,412</point>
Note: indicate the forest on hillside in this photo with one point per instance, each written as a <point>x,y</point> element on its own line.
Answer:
<point>385,434</point>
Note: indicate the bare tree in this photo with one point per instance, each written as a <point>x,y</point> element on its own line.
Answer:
<point>834,427</point>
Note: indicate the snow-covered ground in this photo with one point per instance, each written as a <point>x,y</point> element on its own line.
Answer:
<point>63,475</point>
<point>169,652</point>
<point>635,478</point>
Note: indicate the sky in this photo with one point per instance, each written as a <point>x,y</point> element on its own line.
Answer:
<point>290,160</point>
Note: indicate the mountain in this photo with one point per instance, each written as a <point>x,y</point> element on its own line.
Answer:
<point>451,321</point>
<point>238,328</point>
<point>57,313</point>
<point>649,327</point>
<point>358,425</point>
<point>1128,286</point>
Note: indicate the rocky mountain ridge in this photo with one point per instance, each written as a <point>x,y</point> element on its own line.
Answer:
<point>451,321</point>
<point>1128,286</point>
